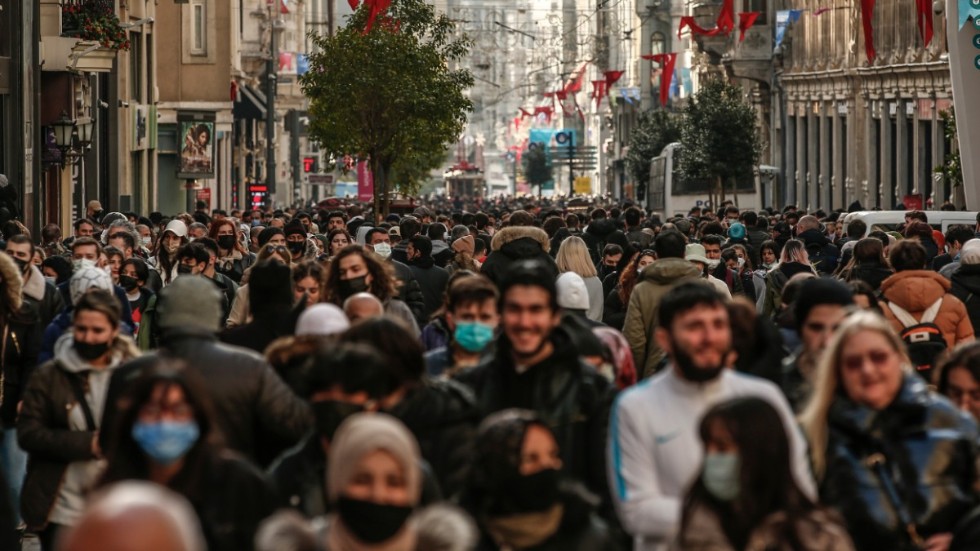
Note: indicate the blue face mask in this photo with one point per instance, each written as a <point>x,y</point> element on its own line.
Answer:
<point>721,475</point>
<point>473,336</point>
<point>166,441</point>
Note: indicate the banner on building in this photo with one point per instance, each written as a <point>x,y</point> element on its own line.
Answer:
<point>197,153</point>
<point>365,183</point>
<point>785,18</point>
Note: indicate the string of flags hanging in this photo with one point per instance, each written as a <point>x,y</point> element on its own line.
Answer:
<point>376,8</point>
<point>667,62</point>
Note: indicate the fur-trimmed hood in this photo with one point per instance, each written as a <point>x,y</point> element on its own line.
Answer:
<point>13,283</point>
<point>510,234</point>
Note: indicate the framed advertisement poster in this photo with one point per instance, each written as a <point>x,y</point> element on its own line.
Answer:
<point>196,130</point>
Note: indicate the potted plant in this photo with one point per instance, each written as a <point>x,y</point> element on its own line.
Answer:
<point>93,21</point>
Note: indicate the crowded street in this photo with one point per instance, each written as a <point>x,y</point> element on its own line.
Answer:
<point>487,275</point>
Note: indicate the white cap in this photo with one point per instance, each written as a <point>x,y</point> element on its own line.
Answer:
<point>970,253</point>
<point>572,292</point>
<point>694,252</point>
<point>177,227</point>
<point>322,319</point>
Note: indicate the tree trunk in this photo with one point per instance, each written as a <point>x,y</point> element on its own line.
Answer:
<point>735,190</point>
<point>378,214</point>
<point>721,191</point>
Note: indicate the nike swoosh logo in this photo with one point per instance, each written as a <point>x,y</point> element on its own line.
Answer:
<point>664,438</point>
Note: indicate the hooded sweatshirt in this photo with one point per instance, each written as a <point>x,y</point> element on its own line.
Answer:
<point>916,291</point>
<point>81,475</point>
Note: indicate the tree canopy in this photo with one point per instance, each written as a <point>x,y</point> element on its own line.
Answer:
<point>392,96</point>
<point>719,137</point>
<point>537,168</point>
<point>655,129</point>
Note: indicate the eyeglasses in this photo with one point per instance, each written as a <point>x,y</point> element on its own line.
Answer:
<point>877,357</point>
<point>277,248</point>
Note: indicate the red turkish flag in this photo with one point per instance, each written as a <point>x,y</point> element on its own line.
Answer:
<point>667,62</point>
<point>354,4</point>
<point>724,23</point>
<point>923,18</point>
<point>745,22</point>
<point>575,85</point>
<point>524,114</point>
<point>612,77</point>
<point>377,7</point>
<point>598,91</point>
<point>867,11</point>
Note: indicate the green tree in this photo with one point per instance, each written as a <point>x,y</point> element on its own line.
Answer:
<point>537,168</point>
<point>655,129</point>
<point>393,97</point>
<point>719,138</point>
<point>951,170</point>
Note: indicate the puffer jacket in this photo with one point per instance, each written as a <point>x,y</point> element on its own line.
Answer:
<point>641,312</point>
<point>515,243</point>
<point>929,457</point>
<point>966,287</point>
<point>568,394</point>
<point>917,290</point>
<point>255,411</point>
<point>443,417</point>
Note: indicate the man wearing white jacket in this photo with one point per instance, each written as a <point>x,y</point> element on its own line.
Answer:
<point>654,449</point>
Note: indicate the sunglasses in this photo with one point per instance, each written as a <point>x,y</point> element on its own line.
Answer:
<point>877,357</point>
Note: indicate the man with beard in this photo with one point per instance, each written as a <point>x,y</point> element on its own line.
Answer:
<point>655,452</point>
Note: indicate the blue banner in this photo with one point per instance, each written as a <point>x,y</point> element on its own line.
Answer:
<point>302,64</point>
<point>969,9</point>
<point>785,18</point>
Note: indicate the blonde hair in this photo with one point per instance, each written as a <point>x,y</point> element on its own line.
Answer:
<point>813,419</point>
<point>573,256</point>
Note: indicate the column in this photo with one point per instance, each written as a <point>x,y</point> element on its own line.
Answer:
<point>823,170</point>
<point>801,166</point>
<point>903,179</point>
<point>788,183</point>
<point>886,195</point>
<point>838,191</point>
<point>812,158</point>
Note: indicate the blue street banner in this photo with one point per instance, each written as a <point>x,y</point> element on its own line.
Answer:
<point>785,18</point>
<point>969,9</point>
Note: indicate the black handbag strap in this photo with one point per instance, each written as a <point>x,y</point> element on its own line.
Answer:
<point>78,389</point>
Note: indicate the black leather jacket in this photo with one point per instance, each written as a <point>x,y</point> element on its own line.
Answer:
<point>915,461</point>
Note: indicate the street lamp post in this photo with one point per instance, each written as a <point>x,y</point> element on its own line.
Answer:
<point>69,133</point>
<point>270,121</point>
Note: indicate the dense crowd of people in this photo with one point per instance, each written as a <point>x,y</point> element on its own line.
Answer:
<point>501,375</point>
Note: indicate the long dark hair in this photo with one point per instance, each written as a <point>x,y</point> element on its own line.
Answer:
<point>765,479</point>
<point>126,460</point>
<point>631,274</point>
<point>384,284</point>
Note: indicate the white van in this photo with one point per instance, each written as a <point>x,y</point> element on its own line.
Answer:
<point>893,220</point>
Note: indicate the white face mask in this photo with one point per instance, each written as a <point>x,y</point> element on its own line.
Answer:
<point>147,240</point>
<point>81,263</point>
<point>383,250</point>
<point>713,263</point>
<point>741,262</point>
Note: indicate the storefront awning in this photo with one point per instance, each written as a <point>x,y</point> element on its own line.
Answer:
<point>250,103</point>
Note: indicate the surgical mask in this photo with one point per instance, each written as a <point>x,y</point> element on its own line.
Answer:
<point>713,263</point>
<point>89,351</point>
<point>184,269</point>
<point>226,242</point>
<point>80,264</point>
<point>353,286</point>
<point>166,441</point>
<point>51,280</point>
<point>296,247</point>
<point>473,336</point>
<point>372,522</point>
<point>383,249</point>
<point>720,475</point>
<point>741,262</point>
<point>329,414</point>
<point>21,265</point>
<point>146,240</point>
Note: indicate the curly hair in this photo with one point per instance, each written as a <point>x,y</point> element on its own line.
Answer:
<point>384,284</point>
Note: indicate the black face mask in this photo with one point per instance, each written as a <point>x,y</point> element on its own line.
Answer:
<point>533,492</point>
<point>129,283</point>
<point>372,522</point>
<point>226,242</point>
<point>352,286</point>
<point>329,414</point>
<point>296,247</point>
<point>21,265</point>
<point>184,269</point>
<point>90,351</point>
<point>692,372</point>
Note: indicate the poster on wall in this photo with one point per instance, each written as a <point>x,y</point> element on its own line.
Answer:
<point>197,148</point>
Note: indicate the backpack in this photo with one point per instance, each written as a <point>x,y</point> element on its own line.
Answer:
<point>923,338</point>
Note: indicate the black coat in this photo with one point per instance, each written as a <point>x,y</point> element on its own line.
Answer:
<point>614,311</point>
<point>257,414</point>
<point>568,394</point>
<point>515,243</point>
<point>410,292</point>
<point>930,459</point>
<point>20,350</point>
<point>823,254</point>
<point>595,237</point>
<point>581,528</point>
<point>966,287</point>
<point>443,417</point>
<point>432,281</point>
<point>871,273</point>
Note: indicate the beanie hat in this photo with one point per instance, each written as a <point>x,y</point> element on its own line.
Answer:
<point>364,433</point>
<point>572,292</point>
<point>819,291</point>
<point>88,278</point>
<point>736,231</point>
<point>267,234</point>
<point>108,219</point>
<point>970,253</point>
<point>294,228</point>
<point>270,287</point>
<point>190,302</point>
<point>322,319</point>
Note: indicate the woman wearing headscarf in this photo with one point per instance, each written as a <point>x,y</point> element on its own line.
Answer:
<point>516,493</point>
